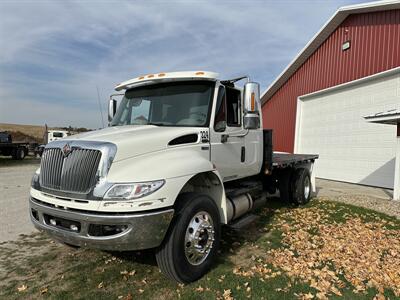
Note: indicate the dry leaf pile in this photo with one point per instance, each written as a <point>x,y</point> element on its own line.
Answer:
<point>321,252</point>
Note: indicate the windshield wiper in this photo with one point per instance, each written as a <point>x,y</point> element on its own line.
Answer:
<point>155,124</point>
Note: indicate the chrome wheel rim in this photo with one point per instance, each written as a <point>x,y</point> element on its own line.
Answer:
<point>199,238</point>
<point>307,187</point>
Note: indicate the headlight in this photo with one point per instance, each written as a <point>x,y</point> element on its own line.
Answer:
<point>35,178</point>
<point>127,191</point>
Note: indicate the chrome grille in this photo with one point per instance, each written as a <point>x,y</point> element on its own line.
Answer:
<point>74,173</point>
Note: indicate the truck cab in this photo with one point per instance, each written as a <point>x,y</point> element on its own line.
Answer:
<point>53,135</point>
<point>184,153</point>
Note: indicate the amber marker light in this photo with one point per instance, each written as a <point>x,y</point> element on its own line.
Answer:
<point>253,101</point>
<point>199,73</point>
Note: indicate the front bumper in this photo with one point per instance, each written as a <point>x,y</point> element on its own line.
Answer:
<point>139,230</point>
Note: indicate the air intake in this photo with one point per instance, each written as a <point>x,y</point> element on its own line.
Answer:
<point>184,139</point>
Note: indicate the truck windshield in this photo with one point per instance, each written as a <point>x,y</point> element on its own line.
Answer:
<point>166,104</point>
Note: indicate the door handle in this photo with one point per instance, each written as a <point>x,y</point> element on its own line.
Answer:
<point>243,155</point>
<point>224,138</point>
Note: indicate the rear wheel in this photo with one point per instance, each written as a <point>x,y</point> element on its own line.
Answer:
<point>20,153</point>
<point>301,189</point>
<point>192,243</point>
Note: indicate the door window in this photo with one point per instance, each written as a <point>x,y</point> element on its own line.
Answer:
<point>220,111</point>
<point>233,107</point>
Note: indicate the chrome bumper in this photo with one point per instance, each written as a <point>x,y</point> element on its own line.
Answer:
<point>85,229</point>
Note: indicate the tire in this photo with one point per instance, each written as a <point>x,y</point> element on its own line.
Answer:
<point>20,154</point>
<point>301,189</point>
<point>14,154</point>
<point>177,256</point>
<point>285,186</point>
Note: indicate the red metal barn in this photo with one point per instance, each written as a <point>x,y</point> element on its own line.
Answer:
<point>349,70</point>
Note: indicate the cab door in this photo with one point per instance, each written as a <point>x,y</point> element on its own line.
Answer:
<point>227,134</point>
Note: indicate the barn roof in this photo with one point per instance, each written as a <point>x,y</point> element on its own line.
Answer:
<point>340,15</point>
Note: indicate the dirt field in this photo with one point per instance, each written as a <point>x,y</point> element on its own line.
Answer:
<point>31,130</point>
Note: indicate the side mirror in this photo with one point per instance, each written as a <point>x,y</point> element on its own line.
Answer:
<point>252,105</point>
<point>220,126</point>
<point>112,109</point>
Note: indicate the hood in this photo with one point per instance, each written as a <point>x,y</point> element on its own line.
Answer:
<point>134,140</point>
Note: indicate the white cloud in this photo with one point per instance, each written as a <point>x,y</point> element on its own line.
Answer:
<point>55,53</point>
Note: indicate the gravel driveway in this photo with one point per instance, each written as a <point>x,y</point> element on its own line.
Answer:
<point>378,199</point>
<point>14,192</point>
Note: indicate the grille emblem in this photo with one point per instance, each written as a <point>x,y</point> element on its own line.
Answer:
<point>66,150</point>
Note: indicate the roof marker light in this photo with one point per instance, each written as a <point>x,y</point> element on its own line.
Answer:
<point>141,77</point>
<point>150,76</point>
<point>199,73</point>
<point>161,74</point>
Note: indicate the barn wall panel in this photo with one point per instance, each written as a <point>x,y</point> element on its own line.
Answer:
<point>375,44</point>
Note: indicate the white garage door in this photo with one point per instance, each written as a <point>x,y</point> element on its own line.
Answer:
<point>331,124</point>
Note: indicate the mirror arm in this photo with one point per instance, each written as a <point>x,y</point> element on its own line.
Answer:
<point>242,134</point>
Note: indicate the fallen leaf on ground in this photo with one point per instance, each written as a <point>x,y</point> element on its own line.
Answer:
<point>227,295</point>
<point>128,297</point>
<point>200,289</point>
<point>22,288</point>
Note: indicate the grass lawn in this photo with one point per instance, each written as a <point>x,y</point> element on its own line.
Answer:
<point>324,250</point>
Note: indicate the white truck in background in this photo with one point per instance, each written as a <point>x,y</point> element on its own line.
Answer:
<point>53,135</point>
<point>184,153</point>
<point>49,136</point>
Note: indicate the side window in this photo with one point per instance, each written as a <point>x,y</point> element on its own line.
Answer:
<point>220,111</point>
<point>233,107</point>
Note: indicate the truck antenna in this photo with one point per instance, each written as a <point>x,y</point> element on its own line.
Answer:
<point>101,111</point>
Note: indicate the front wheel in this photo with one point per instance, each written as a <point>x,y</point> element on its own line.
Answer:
<point>191,245</point>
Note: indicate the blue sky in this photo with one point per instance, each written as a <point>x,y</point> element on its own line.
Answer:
<point>55,53</point>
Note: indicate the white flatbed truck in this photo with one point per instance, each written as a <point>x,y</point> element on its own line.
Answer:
<point>184,153</point>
